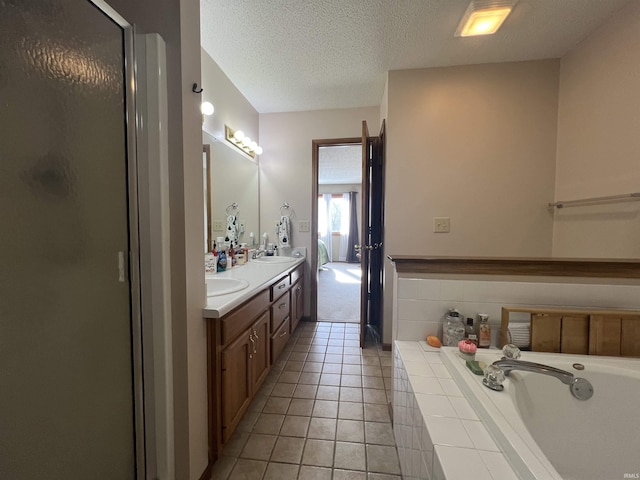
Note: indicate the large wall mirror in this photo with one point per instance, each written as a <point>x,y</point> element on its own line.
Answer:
<point>231,177</point>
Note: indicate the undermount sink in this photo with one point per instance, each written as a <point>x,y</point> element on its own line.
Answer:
<point>274,259</point>
<point>222,285</point>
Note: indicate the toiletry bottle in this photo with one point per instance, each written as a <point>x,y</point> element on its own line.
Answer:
<point>484,337</point>
<point>231,261</point>
<point>470,331</point>
<point>209,264</point>
<point>453,328</point>
<point>222,260</point>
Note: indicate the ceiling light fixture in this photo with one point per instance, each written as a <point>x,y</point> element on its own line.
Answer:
<point>484,17</point>
<point>242,142</point>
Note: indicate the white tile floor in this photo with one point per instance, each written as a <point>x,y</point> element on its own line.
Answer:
<point>322,413</point>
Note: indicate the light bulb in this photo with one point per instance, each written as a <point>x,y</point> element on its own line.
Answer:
<point>246,141</point>
<point>238,135</point>
<point>207,108</point>
<point>253,146</point>
<point>258,150</point>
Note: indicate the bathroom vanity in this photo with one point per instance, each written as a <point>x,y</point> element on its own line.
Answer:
<point>246,332</point>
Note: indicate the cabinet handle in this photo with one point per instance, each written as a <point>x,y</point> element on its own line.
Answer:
<point>280,287</point>
<point>254,346</point>
<point>283,334</point>
<point>255,334</point>
<point>282,305</point>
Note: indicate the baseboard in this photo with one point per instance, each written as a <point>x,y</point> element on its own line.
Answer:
<point>208,472</point>
<point>386,347</point>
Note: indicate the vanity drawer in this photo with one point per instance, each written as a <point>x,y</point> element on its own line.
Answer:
<point>297,273</point>
<point>242,318</point>
<point>279,311</point>
<point>279,340</point>
<point>280,287</point>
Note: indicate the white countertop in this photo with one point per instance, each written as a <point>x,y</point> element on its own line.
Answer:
<point>259,275</point>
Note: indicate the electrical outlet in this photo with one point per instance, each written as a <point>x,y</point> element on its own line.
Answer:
<point>303,226</point>
<point>218,225</point>
<point>441,225</point>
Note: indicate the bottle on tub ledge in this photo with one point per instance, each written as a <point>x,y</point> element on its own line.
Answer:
<point>470,331</point>
<point>453,328</point>
<point>484,331</point>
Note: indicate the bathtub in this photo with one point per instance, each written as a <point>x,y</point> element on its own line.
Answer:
<point>546,433</point>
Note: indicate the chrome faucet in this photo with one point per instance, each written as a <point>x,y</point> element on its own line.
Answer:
<point>580,388</point>
<point>507,365</point>
<point>258,252</point>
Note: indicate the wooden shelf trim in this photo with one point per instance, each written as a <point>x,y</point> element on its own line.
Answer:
<point>555,267</point>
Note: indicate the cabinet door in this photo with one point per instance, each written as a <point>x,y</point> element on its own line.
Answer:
<point>236,382</point>
<point>260,353</point>
<point>297,304</point>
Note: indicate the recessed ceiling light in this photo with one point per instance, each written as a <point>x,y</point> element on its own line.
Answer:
<point>483,18</point>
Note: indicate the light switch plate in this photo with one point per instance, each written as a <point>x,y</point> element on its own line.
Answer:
<point>303,226</point>
<point>441,225</point>
<point>218,225</point>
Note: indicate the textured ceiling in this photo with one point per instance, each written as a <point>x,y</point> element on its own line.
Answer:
<point>340,165</point>
<point>293,55</point>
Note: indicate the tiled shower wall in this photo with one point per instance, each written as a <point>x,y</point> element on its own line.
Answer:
<point>421,303</point>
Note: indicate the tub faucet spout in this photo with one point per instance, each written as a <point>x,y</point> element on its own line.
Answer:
<point>508,364</point>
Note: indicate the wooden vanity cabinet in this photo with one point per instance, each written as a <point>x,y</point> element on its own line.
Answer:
<point>244,364</point>
<point>297,304</point>
<point>242,346</point>
<point>297,297</point>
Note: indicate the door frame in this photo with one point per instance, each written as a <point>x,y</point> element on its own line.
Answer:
<point>315,160</point>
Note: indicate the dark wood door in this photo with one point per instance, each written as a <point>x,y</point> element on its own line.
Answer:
<point>371,260</point>
<point>365,243</point>
<point>376,226</point>
<point>236,382</point>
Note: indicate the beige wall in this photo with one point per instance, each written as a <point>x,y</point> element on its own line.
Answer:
<point>476,144</point>
<point>231,107</point>
<point>285,165</point>
<point>230,183</point>
<point>599,141</point>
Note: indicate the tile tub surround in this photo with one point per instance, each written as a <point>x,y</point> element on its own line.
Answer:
<point>438,434</point>
<point>322,413</point>
<point>420,301</point>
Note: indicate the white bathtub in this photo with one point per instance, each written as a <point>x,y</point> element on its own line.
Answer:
<point>545,432</point>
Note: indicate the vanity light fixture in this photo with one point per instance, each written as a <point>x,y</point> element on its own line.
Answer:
<point>238,139</point>
<point>484,17</point>
<point>207,108</point>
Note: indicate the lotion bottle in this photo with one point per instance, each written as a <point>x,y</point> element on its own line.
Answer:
<point>484,331</point>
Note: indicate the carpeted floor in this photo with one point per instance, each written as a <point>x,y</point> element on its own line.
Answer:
<point>339,292</point>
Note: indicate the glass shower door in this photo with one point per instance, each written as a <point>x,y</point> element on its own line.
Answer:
<point>66,381</point>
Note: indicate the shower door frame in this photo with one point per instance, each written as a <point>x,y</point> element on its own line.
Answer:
<point>133,259</point>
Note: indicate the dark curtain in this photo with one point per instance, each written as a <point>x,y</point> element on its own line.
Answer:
<point>352,236</point>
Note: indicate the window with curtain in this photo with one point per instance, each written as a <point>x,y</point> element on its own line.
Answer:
<point>333,214</point>
<point>334,220</point>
